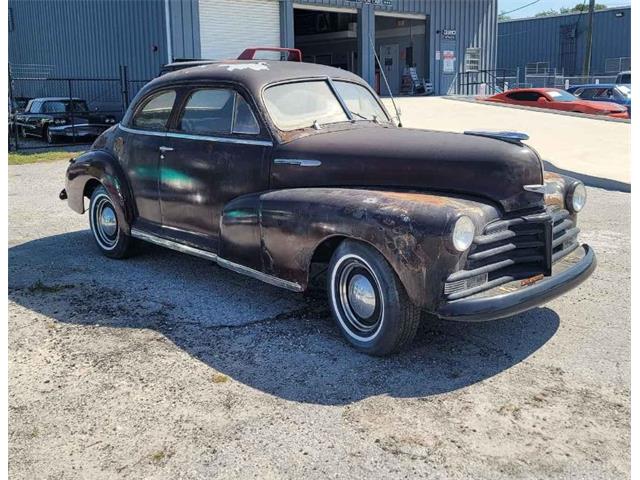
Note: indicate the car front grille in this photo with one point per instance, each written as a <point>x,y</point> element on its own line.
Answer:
<point>514,249</point>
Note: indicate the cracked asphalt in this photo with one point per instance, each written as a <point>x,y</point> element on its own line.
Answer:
<point>167,366</point>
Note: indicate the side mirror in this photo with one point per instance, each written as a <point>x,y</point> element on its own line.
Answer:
<point>542,100</point>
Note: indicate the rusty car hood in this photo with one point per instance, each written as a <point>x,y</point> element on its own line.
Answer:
<point>411,159</point>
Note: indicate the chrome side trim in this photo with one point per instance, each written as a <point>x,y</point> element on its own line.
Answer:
<point>205,138</point>
<point>298,162</point>
<point>250,272</point>
<point>179,247</point>
<point>543,189</point>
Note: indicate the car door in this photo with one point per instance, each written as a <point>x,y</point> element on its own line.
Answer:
<point>140,157</point>
<point>216,151</point>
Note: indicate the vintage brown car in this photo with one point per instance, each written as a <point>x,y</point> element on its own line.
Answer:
<point>280,169</point>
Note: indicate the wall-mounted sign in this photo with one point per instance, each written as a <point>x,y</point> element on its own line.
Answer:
<point>386,3</point>
<point>437,55</point>
<point>448,61</point>
<point>449,34</point>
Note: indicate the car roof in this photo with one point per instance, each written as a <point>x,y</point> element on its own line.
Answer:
<point>55,99</point>
<point>253,74</point>
<point>595,85</point>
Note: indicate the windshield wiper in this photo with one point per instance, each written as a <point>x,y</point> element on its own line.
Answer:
<point>359,115</point>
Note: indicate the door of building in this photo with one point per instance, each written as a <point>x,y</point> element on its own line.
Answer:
<point>390,60</point>
<point>448,63</point>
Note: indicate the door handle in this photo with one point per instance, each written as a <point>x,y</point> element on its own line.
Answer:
<point>165,149</point>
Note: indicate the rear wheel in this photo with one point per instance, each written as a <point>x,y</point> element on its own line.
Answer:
<point>112,241</point>
<point>368,301</point>
<point>48,136</point>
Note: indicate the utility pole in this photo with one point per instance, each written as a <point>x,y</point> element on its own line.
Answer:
<point>586,68</point>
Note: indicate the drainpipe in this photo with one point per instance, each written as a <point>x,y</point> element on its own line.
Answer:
<point>167,24</point>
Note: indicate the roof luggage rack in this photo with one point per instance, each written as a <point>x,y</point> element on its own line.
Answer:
<point>286,54</point>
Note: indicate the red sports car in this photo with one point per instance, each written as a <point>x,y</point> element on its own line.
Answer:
<point>557,99</point>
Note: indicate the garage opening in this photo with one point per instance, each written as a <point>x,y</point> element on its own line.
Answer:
<point>330,37</point>
<point>327,37</point>
<point>401,44</point>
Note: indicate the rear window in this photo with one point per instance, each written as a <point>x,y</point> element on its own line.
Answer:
<point>155,113</point>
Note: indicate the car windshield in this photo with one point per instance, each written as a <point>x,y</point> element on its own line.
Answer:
<point>66,106</point>
<point>360,102</point>
<point>316,104</point>
<point>561,96</point>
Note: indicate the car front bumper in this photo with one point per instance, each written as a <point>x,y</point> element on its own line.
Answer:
<point>482,308</point>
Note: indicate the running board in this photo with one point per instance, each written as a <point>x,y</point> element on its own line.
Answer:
<point>250,272</point>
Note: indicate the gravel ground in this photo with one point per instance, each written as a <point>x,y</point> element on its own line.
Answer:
<point>167,366</point>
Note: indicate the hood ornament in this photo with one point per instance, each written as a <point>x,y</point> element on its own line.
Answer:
<point>511,137</point>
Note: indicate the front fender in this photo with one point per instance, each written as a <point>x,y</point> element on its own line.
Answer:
<point>100,166</point>
<point>411,230</point>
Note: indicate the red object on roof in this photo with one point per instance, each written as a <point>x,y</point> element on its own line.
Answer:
<point>293,54</point>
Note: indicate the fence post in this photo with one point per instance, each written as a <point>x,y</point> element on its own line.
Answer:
<point>124,84</point>
<point>72,106</point>
<point>13,112</point>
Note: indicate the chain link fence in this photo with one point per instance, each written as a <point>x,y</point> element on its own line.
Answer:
<point>45,110</point>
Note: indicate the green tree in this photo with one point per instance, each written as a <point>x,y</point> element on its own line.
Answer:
<point>582,7</point>
<point>546,13</point>
<point>503,16</point>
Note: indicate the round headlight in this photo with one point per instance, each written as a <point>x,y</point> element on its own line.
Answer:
<point>463,233</point>
<point>577,197</point>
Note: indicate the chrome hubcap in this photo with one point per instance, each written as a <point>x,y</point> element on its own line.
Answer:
<point>362,296</point>
<point>104,222</point>
<point>356,297</point>
<point>108,221</point>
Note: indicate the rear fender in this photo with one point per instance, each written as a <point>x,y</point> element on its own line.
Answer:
<point>100,166</point>
<point>411,230</point>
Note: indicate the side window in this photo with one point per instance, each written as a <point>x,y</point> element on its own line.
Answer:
<point>245,122</point>
<point>208,111</point>
<point>524,96</point>
<point>156,112</point>
<point>34,107</point>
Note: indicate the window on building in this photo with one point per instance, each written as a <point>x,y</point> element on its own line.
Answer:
<point>155,113</point>
<point>472,59</point>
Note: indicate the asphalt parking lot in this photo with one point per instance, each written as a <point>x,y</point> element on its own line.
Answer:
<point>167,366</point>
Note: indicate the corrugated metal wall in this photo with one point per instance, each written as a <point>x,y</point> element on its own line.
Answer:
<point>91,39</point>
<point>539,40</point>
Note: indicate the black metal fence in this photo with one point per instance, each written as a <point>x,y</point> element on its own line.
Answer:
<point>484,82</point>
<point>87,105</point>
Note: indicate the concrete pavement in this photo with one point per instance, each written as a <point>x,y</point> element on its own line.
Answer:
<point>596,151</point>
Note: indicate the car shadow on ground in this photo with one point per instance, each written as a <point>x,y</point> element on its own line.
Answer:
<point>589,180</point>
<point>294,352</point>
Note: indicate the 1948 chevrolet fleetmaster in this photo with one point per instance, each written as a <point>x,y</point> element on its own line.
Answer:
<point>273,169</point>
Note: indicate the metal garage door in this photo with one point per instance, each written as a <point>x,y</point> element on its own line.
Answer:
<point>227,27</point>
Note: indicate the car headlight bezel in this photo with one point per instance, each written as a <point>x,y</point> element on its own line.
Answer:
<point>462,233</point>
<point>576,197</point>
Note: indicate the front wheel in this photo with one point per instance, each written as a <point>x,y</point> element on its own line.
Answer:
<point>368,301</point>
<point>112,241</point>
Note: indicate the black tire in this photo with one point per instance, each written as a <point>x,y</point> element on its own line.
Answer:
<point>112,241</point>
<point>368,301</point>
<point>47,135</point>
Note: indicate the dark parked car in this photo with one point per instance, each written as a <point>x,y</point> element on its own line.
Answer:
<point>624,78</point>
<point>54,118</point>
<point>279,169</point>
<point>604,92</point>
